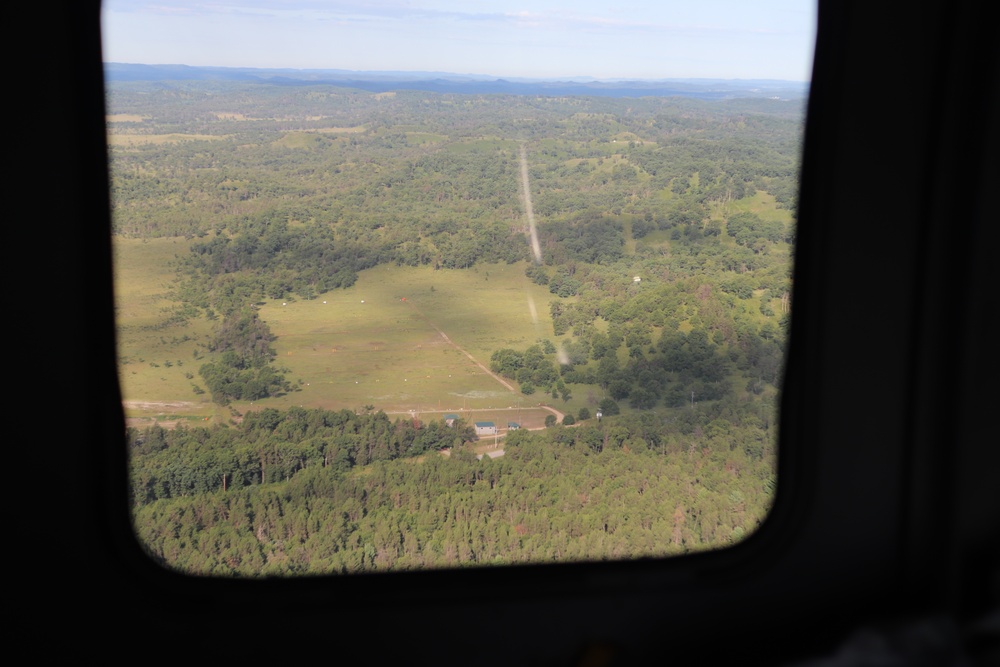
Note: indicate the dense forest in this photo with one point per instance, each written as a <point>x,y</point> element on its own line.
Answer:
<point>312,491</point>
<point>665,227</point>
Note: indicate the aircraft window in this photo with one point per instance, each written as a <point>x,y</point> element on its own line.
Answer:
<point>422,287</point>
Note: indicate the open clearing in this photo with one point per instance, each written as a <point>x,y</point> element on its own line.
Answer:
<point>401,338</point>
<point>120,139</point>
<point>155,355</point>
<point>408,340</point>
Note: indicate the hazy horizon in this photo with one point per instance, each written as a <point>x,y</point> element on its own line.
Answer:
<point>549,40</point>
<point>478,76</point>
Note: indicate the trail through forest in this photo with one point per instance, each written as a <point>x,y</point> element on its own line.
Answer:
<point>536,248</point>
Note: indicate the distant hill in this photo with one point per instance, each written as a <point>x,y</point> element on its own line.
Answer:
<point>444,82</point>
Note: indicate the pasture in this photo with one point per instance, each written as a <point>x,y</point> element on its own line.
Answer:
<point>156,353</point>
<point>380,342</point>
<point>398,340</point>
<point>132,140</point>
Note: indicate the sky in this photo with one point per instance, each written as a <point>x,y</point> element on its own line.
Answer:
<point>647,39</point>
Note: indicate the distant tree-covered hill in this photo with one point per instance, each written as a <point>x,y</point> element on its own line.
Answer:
<point>446,82</point>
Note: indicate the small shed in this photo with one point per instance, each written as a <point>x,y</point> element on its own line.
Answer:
<point>486,428</point>
<point>513,426</point>
<point>450,419</point>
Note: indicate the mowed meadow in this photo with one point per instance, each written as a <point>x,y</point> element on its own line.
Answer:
<point>399,340</point>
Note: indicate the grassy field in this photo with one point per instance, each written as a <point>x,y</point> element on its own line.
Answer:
<point>130,140</point>
<point>380,342</point>
<point>761,204</point>
<point>155,355</point>
<point>377,343</point>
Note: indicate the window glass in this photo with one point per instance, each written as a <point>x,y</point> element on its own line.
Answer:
<point>440,284</point>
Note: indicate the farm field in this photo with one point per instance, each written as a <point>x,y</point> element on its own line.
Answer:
<point>155,352</point>
<point>379,343</point>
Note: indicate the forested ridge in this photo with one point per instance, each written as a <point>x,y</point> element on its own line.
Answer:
<point>665,225</point>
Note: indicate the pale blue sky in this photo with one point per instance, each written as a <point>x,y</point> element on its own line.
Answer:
<point>651,39</point>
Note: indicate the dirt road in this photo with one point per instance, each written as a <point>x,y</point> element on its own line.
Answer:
<point>529,211</point>
<point>448,340</point>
